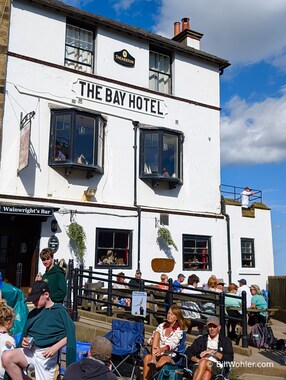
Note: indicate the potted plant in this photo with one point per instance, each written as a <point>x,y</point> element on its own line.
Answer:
<point>165,234</point>
<point>77,240</point>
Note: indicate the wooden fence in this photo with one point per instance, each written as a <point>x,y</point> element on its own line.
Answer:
<point>277,292</point>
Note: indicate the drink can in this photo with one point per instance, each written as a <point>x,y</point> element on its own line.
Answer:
<point>30,341</point>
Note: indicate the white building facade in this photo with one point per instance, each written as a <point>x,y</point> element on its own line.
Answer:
<point>121,129</point>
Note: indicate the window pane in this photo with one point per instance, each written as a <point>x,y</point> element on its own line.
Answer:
<point>62,138</point>
<point>84,141</point>
<point>151,153</point>
<point>100,143</point>
<point>170,155</point>
<point>247,253</point>
<point>79,48</point>
<point>118,253</point>
<point>196,252</point>
<point>159,72</point>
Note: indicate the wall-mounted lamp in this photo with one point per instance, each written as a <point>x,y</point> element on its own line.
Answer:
<point>90,192</point>
<point>54,225</point>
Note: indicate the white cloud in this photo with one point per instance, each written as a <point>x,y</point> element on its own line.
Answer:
<point>123,5</point>
<point>254,133</point>
<point>241,31</point>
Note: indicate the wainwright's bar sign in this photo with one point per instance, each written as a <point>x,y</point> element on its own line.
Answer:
<point>119,98</point>
<point>26,210</point>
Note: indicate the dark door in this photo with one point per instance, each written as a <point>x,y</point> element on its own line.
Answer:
<point>19,240</point>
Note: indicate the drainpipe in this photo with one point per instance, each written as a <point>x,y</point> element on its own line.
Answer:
<point>135,146</point>
<point>227,219</point>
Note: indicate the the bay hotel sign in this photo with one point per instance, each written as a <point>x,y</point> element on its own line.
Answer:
<point>119,98</point>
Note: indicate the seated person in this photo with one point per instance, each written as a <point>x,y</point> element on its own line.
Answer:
<point>208,352</point>
<point>258,302</point>
<point>232,302</point>
<point>164,282</point>
<point>7,342</point>
<point>165,339</point>
<point>48,329</point>
<point>96,365</point>
<point>191,310</point>
<point>121,284</point>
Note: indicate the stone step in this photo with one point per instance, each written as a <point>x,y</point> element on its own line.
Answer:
<point>250,376</point>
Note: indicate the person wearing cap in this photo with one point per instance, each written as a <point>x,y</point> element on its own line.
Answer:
<point>121,284</point>
<point>177,287</point>
<point>134,282</point>
<point>210,352</point>
<point>48,328</point>
<point>243,287</point>
<point>245,195</point>
<point>96,365</point>
<point>220,285</point>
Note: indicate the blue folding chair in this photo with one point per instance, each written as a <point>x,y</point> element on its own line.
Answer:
<point>82,349</point>
<point>127,338</point>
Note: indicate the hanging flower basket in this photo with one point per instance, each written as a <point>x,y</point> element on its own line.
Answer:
<point>165,234</point>
<point>77,240</point>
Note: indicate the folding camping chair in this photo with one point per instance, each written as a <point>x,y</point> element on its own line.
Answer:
<point>127,338</point>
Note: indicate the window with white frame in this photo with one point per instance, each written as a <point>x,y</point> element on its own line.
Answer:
<point>247,253</point>
<point>197,253</point>
<point>113,248</point>
<point>77,139</point>
<point>161,154</point>
<point>160,72</point>
<point>79,50</point>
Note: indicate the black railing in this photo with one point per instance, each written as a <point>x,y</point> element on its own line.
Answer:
<point>233,192</point>
<point>156,307</point>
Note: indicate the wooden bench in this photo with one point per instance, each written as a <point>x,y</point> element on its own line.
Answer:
<point>91,290</point>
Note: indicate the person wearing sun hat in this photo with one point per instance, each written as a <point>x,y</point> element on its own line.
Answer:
<point>48,328</point>
<point>96,365</point>
<point>210,351</point>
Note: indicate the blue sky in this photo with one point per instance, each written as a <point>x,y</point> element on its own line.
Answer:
<point>251,35</point>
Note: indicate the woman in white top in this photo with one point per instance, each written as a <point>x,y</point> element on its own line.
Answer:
<point>165,339</point>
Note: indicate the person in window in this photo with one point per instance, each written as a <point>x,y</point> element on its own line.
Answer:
<point>245,195</point>
<point>59,156</point>
<point>208,352</point>
<point>82,160</point>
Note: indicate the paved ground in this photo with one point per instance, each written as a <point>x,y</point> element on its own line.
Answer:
<point>263,364</point>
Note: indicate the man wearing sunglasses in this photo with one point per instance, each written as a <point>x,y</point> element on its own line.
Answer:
<point>210,352</point>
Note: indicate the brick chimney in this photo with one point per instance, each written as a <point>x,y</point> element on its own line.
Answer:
<point>186,36</point>
<point>177,28</point>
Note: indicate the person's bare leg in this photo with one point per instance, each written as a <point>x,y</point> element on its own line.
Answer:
<point>208,372</point>
<point>146,369</point>
<point>199,372</point>
<point>163,360</point>
<point>14,361</point>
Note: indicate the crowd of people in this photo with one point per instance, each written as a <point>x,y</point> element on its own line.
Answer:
<point>48,328</point>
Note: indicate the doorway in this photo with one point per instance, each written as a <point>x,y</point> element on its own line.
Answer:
<point>19,243</point>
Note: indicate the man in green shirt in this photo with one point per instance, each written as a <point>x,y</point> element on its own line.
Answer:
<point>49,327</point>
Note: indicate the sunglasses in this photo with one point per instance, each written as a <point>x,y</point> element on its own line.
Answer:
<point>211,325</point>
